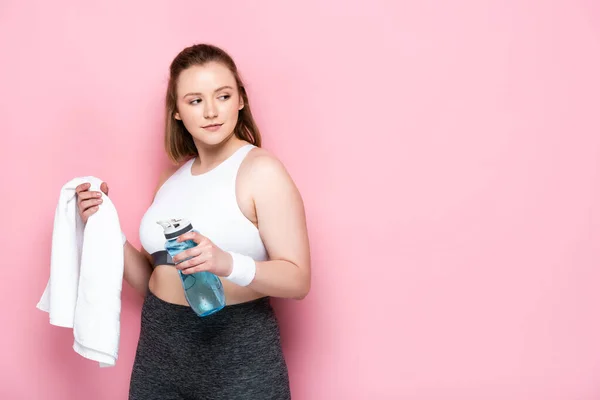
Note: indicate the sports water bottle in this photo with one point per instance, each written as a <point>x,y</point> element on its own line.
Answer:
<point>203,290</point>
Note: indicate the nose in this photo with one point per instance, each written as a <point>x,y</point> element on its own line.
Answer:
<point>210,110</point>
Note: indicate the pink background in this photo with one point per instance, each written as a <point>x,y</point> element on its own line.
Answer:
<point>448,154</point>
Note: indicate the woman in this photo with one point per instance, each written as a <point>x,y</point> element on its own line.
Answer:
<point>253,236</point>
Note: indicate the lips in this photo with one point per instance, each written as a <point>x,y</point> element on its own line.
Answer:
<point>212,127</point>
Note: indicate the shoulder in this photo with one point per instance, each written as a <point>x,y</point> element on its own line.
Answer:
<point>165,175</point>
<point>262,165</point>
<point>266,174</point>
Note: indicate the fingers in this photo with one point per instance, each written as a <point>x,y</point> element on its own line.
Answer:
<point>196,267</point>
<point>195,236</point>
<point>84,193</point>
<point>87,204</point>
<point>197,259</point>
<point>85,186</point>
<point>82,187</point>
<point>89,201</point>
<point>87,213</point>
<point>88,208</point>
<point>189,253</point>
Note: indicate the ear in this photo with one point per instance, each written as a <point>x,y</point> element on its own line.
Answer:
<point>241,104</point>
<point>176,116</point>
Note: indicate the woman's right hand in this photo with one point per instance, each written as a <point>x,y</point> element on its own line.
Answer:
<point>89,201</point>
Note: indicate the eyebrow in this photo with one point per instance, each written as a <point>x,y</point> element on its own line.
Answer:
<point>198,93</point>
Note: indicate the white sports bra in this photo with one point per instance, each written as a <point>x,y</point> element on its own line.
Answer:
<point>207,200</point>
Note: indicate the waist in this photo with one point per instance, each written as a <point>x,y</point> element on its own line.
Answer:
<point>165,283</point>
<point>234,334</point>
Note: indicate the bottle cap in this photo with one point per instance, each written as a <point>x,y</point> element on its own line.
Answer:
<point>175,227</point>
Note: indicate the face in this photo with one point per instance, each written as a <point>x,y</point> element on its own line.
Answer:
<point>208,103</point>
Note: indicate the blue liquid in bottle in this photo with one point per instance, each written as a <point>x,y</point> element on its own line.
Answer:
<point>203,290</point>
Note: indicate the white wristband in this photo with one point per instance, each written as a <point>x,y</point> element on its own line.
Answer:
<point>243,271</point>
<point>123,238</point>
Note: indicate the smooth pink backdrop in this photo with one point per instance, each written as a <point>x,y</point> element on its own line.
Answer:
<point>448,154</point>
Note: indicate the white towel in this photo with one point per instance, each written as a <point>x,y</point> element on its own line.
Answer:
<point>86,275</point>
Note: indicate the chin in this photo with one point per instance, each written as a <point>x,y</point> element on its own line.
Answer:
<point>211,140</point>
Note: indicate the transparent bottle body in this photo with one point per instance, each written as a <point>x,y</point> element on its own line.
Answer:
<point>203,290</point>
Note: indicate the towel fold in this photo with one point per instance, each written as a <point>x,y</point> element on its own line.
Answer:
<point>86,275</point>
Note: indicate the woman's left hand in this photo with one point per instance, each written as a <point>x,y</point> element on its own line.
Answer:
<point>204,257</point>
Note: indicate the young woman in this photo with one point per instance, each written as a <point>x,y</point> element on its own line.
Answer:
<point>253,236</point>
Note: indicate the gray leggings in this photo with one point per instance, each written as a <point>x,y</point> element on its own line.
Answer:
<point>232,354</point>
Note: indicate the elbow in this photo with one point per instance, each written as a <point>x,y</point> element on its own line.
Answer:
<point>300,295</point>
<point>302,291</point>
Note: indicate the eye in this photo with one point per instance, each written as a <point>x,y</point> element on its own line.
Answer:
<point>225,97</point>
<point>195,101</point>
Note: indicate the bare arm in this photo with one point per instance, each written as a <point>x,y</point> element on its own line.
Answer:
<point>137,269</point>
<point>282,225</point>
<point>138,263</point>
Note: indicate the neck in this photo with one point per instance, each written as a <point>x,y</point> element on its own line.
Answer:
<point>211,156</point>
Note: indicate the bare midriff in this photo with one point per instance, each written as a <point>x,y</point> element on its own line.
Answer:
<point>165,284</point>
